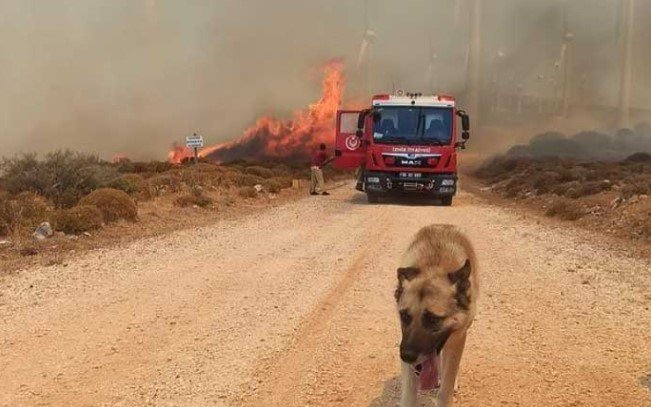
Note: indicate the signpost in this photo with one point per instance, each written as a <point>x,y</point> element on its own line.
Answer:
<point>194,142</point>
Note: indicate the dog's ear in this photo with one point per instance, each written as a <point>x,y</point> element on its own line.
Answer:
<point>461,280</point>
<point>407,273</point>
<point>461,275</point>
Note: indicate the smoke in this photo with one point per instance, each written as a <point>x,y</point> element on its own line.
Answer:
<point>133,77</point>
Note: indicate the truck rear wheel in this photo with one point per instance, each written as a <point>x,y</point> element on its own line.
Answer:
<point>446,200</point>
<point>372,198</point>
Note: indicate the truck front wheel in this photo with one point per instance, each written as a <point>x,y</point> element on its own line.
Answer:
<point>372,198</point>
<point>446,200</point>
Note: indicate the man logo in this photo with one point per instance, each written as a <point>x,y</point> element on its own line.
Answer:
<point>410,162</point>
<point>352,142</point>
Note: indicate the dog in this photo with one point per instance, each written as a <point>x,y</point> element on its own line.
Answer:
<point>438,287</point>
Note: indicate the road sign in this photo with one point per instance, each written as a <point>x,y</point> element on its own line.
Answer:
<point>194,141</point>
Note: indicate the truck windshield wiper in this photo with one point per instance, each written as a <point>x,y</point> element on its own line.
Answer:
<point>395,140</point>
<point>434,141</point>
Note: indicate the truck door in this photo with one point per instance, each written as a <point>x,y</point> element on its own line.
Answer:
<point>350,151</point>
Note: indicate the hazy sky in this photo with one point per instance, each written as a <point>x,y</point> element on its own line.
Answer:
<point>134,76</point>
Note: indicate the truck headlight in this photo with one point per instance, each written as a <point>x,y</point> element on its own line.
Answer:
<point>447,182</point>
<point>373,180</point>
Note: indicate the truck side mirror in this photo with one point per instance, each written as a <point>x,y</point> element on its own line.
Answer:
<point>359,133</point>
<point>465,120</point>
<point>465,135</point>
<point>465,123</point>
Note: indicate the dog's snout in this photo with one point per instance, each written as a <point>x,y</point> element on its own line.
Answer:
<point>408,355</point>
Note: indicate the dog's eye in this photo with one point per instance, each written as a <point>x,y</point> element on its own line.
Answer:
<point>431,320</point>
<point>405,318</point>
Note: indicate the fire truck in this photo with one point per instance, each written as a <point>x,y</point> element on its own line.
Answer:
<point>403,143</point>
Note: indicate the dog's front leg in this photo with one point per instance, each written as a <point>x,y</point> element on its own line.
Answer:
<point>408,390</point>
<point>451,358</point>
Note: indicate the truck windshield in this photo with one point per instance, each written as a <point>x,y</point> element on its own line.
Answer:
<point>413,125</point>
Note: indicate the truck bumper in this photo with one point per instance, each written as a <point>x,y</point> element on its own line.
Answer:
<point>436,185</point>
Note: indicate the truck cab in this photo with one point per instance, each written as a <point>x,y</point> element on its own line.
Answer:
<point>403,143</point>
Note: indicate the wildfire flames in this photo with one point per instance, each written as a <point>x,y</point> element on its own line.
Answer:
<point>274,138</point>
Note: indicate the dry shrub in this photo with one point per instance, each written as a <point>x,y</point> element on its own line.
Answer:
<point>272,186</point>
<point>79,219</point>
<point>196,197</point>
<point>639,158</point>
<point>247,180</point>
<point>247,192</point>
<point>545,182</point>
<point>23,211</point>
<point>204,178</point>
<point>168,182</point>
<point>8,217</point>
<point>140,167</point>
<point>592,188</point>
<point>637,186</point>
<point>226,200</point>
<point>500,166</point>
<point>513,188</point>
<point>259,171</point>
<point>204,167</point>
<point>285,182</point>
<point>565,209</point>
<point>113,203</point>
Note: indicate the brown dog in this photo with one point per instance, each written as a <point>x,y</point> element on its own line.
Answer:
<point>437,299</point>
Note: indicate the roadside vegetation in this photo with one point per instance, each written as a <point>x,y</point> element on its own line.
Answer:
<point>613,196</point>
<point>85,199</point>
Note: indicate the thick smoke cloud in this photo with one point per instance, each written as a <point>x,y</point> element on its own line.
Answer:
<point>125,76</point>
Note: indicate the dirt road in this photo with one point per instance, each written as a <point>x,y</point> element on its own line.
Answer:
<point>294,307</point>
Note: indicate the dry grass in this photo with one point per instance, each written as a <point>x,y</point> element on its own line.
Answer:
<point>565,209</point>
<point>196,198</point>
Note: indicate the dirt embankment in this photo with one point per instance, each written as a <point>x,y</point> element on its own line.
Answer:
<point>609,197</point>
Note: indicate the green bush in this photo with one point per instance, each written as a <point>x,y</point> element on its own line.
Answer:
<point>79,219</point>
<point>63,176</point>
<point>132,184</point>
<point>112,203</point>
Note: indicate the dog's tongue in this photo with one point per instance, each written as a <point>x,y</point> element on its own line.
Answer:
<point>429,375</point>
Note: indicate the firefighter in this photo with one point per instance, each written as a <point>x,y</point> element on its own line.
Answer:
<point>319,160</point>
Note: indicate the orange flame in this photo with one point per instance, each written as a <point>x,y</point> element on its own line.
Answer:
<point>274,138</point>
<point>120,158</point>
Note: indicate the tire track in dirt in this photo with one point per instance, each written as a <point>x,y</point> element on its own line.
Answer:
<point>281,379</point>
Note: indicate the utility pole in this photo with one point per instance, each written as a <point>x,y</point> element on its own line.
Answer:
<point>474,60</point>
<point>626,58</point>
<point>567,61</point>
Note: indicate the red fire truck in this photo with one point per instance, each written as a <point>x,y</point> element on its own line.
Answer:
<point>403,143</point>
